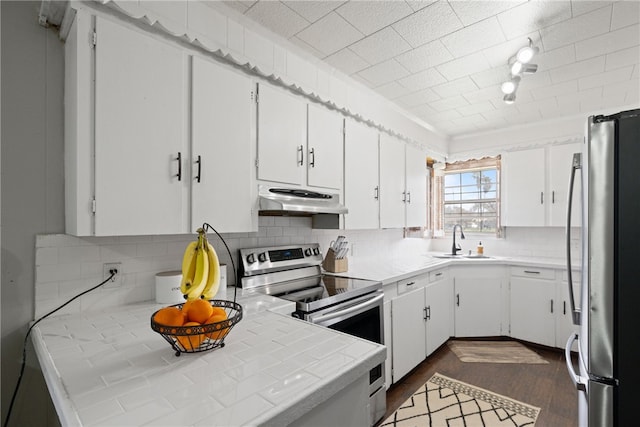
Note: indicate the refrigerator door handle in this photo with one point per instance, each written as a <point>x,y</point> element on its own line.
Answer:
<point>578,381</point>
<point>575,165</point>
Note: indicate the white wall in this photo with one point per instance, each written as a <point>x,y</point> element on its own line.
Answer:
<point>67,265</point>
<point>32,189</point>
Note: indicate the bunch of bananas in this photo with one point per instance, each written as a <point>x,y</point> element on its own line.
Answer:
<point>200,269</point>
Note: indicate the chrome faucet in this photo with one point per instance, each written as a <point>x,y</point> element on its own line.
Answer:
<point>455,248</point>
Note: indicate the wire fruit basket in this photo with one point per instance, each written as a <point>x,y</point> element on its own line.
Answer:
<point>197,338</point>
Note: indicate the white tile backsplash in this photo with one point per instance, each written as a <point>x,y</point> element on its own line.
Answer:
<point>68,265</point>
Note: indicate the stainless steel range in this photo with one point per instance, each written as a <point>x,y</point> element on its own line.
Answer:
<point>352,306</point>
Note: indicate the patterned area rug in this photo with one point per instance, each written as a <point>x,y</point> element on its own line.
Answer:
<point>494,352</point>
<point>442,401</point>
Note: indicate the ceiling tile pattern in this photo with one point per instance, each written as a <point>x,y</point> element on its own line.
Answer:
<point>443,61</point>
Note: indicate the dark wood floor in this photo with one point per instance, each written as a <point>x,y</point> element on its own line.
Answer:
<point>546,386</point>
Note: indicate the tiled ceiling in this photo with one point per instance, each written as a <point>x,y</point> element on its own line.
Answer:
<point>444,61</point>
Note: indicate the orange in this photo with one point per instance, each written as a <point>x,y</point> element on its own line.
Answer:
<point>190,342</point>
<point>185,309</point>
<point>219,315</point>
<point>199,311</point>
<point>169,316</point>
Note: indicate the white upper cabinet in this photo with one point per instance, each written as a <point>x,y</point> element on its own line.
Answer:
<point>524,187</point>
<point>140,133</point>
<point>416,187</point>
<point>361,186</point>
<point>325,153</point>
<point>392,182</point>
<point>153,150</point>
<point>536,183</point>
<point>403,184</point>
<point>560,162</point>
<point>282,136</point>
<point>222,147</point>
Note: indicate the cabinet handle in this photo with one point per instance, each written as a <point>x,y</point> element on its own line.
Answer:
<point>179,159</point>
<point>428,309</point>
<point>409,197</point>
<point>564,308</point>
<point>553,196</point>
<point>542,197</point>
<point>404,196</point>
<point>551,306</point>
<point>438,274</point>
<point>458,300</point>
<point>301,152</point>
<point>531,272</point>
<point>199,163</point>
<point>424,313</point>
<point>376,192</point>
<point>411,283</point>
<point>312,157</point>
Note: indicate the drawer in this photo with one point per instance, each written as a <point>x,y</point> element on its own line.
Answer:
<point>437,275</point>
<point>534,272</point>
<point>412,283</point>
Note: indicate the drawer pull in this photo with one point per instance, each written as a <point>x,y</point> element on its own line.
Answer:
<point>411,283</point>
<point>438,274</point>
<point>531,272</point>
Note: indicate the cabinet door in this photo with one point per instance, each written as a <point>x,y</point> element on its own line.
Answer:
<point>416,187</point>
<point>439,303</point>
<point>222,148</point>
<point>478,307</point>
<point>282,137</point>
<point>524,184</point>
<point>409,348</point>
<point>388,342</point>
<point>140,132</point>
<point>564,320</point>
<point>325,148</point>
<point>361,176</point>
<point>532,310</point>
<point>392,184</point>
<point>559,170</point>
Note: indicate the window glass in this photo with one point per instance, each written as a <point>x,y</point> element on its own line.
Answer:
<point>471,199</point>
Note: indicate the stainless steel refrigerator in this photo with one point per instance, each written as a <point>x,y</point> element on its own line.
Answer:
<point>608,309</point>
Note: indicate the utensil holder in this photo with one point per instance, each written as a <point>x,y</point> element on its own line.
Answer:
<point>334,265</point>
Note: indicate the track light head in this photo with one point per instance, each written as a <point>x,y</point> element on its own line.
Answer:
<point>526,53</point>
<point>510,86</point>
<point>509,98</point>
<point>520,68</point>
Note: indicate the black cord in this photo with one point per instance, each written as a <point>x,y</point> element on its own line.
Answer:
<point>26,337</point>
<point>206,226</point>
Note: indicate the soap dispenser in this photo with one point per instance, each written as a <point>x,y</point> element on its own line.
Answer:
<point>480,249</point>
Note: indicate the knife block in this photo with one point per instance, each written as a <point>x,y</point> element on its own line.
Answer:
<point>334,265</point>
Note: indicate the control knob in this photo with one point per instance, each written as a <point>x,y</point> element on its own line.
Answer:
<point>262,256</point>
<point>251,258</point>
<point>307,252</point>
<point>316,251</point>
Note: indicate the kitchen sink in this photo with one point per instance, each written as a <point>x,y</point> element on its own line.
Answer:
<point>446,256</point>
<point>477,256</point>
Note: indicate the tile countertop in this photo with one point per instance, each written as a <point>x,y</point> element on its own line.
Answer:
<point>110,368</point>
<point>391,270</point>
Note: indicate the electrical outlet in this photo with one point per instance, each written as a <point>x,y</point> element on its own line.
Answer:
<point>107,269</point>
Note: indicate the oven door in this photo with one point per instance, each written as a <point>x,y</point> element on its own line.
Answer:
<point>361,317</point>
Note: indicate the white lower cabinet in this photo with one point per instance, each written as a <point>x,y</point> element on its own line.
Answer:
<point>540,306</point>
<point>533,294</point>
<point>479,301</point>
<point>439,309</point>
<point>422,319</point>
<point>408,325</point>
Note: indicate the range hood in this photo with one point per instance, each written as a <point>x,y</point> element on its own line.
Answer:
<point>298,201</point>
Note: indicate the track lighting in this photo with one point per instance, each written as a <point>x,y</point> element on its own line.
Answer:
<point>510,86</point>
<point>519,68</point>
<point>518,65</point>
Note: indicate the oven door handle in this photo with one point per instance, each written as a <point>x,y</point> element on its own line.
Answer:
<point>352,309</point>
